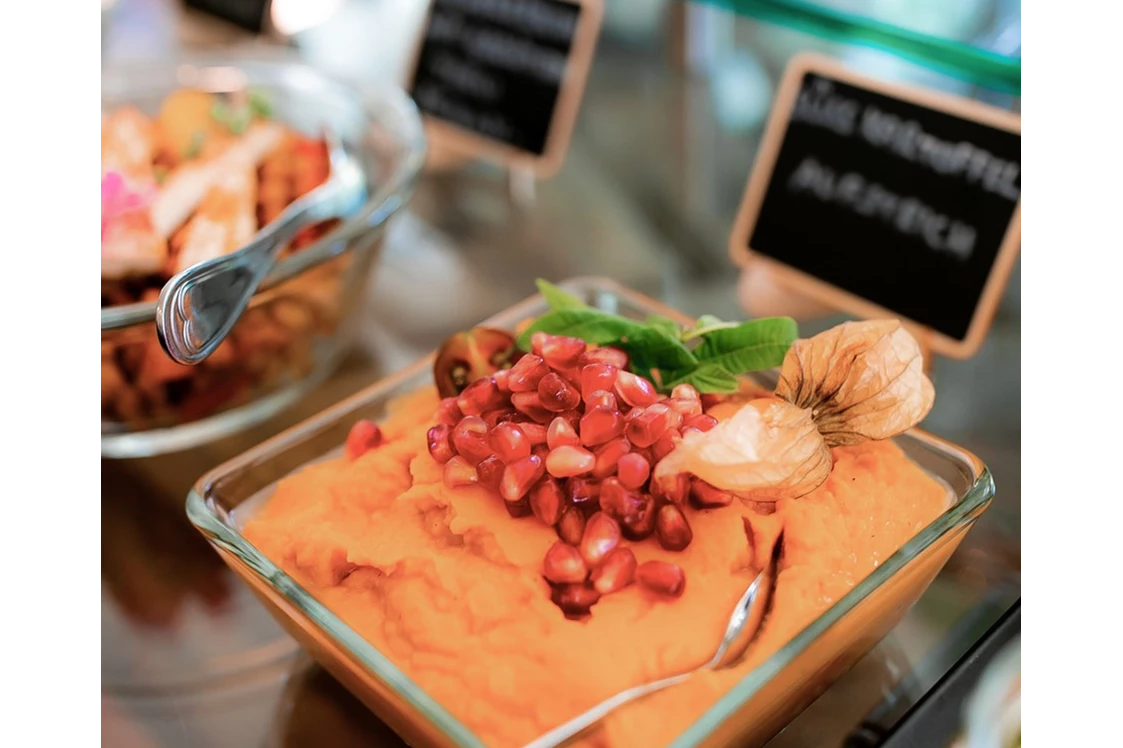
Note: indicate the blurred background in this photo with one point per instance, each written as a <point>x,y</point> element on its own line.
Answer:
<point>665,139</point>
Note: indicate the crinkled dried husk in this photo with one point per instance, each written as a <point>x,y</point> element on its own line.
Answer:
<point>766,451</point>
<point>860,380</point>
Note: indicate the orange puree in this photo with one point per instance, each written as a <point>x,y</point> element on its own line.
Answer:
<point>449,587</point>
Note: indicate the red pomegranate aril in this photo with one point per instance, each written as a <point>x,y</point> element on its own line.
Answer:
<point>687,407</point>
<point>364,436</point>
<point>709,400</point>
<point>633,471</point>
<point>672,529</point>
<point>634,389</point>
<point>608,456</point>
<point>571,526</point>
<point>480,396</point>
<point>567,461</point>
<point>541,451</point>
<point>440,443</point>
<point>686,392</point>
<point>500,378</point>
<point>633,414</point>
<point>519,476</point>
<point>616,571</point>
<point>604,355</point>
<point>575,599</point>
<point>555,394</point>
<point>562,352</point>
<point>563,565</point>
<point>547,500</point>
<point>661,577</point>
<point>537,340</point>
<point>518,509</point>
<point>458,472</point>
<point>448,412</point>
<point>560,433</point>
<point>535,432</point>
<point>508,442</point>
<point>495,417</point>
<point>602,534</point>
<point>689,431</point>
<point>596,377</point>
<point>674,489</point>
<point>665,444</point>
<point>527,373</point>
<point>490,472</point>
<point>600,424</point>
<point>705,496</point>
<point>469,439</point>
<point>701,422</point>
<point>601,399</point>
<point>655,421</point>
<point>529,404</point>
<point>638,521</point>
<point>583,494</point>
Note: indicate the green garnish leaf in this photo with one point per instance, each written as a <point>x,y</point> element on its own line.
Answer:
<point>195,146</point>
<point>710,355</point>
<point>557,298</point>
<point>220,112</point>
<point>259,103</point>
<point>239,121</point>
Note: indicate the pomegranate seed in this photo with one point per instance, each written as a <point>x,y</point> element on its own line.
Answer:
<point>635,390</point>
<point>633,414</point>
<point>529,404</point>
<point>518,509</point>
<point>705,496</point>
<point>364,436</point>
<point>596,377</point>
<point>541,451</point>
<point>709,400</point>
<point>686,392</point>
<point>563,564</point>
<point>665,445</point>
<point>661,577</point>
<point>490,472</point>
<point>547,501</point>
<point>687,407</point>
<point>601,399</point>
<point>535,432</point>
<point>604,355</point>
<point>459,472</point>
<point>674,489</point>
<point>634,511</point>
<point>561,433</point>
<point>602,534</point>
<point>571,526</point>
<point>537,340</point>
<point>440,445</point>
<point>672,529</point>
<point>448,412</point>
<point>508,442</point>
<point>617,571</point>
<point>556,394</point>
<point>600,424</point>
<point>574,599</point>
<point>614,498</point>
<point>633,471</point>
<point>656,419</point>
<point>500,378</point>
<point>701,422</point>
<point>608,457</point>
<point>562,352</point>
<point>583,494</point>
<point>469,438</point>
<point>495,417</point>
<point>567,461</point>
<point>480,396</point>
<point>519,476</point>
<point>527,373</point>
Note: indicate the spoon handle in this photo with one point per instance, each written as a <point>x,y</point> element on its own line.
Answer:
<point>574,727</point>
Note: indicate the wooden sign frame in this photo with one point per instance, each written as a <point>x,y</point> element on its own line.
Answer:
<point>763,170</point>
<point>560,131</point>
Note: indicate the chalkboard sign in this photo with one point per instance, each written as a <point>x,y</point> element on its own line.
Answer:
<point>886,200</point>
<point>505,77</point>
<point>246,14</point>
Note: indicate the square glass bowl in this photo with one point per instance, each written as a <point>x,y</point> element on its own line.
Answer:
<point>753,711</point>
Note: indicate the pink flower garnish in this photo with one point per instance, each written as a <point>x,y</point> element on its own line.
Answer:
<point>117,199</point>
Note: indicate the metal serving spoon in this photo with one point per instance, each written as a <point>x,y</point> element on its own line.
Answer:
<point>198,307</point>
<point>743,626</point>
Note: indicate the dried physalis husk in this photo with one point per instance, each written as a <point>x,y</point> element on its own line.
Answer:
<point>860,380</point>
<point>768,450</point>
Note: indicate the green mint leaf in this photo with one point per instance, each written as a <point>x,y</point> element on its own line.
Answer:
<point>557,298</point>
<point>591,325</point>
<point>704,325</point>
<point>667,325</point>
<point>195,146</point>
<point>750,346</point>
<point>654,348</point>
<point>707,377</point>
<point>259,104</point>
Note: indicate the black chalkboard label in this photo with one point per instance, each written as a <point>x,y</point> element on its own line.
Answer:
<point>507,73</point>
<point>888,199</point>
<point>247,14</point>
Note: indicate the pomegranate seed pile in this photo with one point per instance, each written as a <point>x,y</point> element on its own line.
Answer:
<point>569,436</point>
